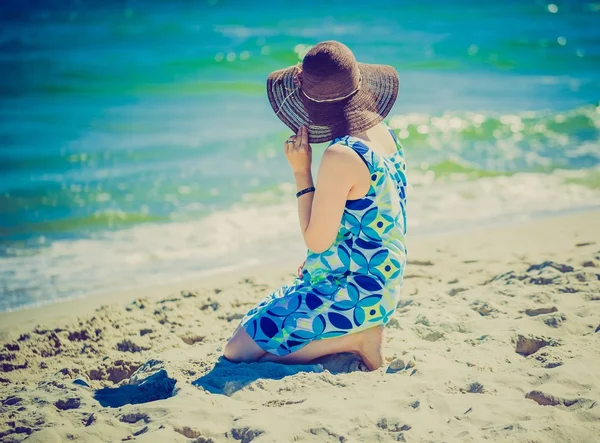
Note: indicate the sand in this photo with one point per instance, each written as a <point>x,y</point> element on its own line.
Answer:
<point>496,338</point>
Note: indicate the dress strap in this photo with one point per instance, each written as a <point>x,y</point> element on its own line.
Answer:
<point>363,151</point>
<point>399,146</point>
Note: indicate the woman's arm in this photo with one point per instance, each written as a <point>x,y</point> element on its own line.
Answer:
<point>320,212</point>
<point>304,180</point>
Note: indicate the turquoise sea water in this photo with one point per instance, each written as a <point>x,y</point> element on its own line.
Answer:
<point>137,145</point>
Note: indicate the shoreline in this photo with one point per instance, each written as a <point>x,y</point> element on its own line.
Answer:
<point>149,254</point>
<point>60,310</point>
<point>251,264</point>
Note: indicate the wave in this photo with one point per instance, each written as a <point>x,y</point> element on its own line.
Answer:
<point>148,174</point>
<point>264,228</point>
<point>526,141</point>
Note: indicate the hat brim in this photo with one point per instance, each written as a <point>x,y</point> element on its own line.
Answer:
<point>326,121</point>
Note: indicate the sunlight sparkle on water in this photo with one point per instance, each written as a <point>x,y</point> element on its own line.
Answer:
<point>473,50</point>
<point>423,129</point>
<point>301,50</point>
<point>102,197</point>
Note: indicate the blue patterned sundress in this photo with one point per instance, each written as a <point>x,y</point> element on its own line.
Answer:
<point>354,285</point>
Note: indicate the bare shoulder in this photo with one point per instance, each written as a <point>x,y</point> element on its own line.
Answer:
<point>337,149</point>
<point>340,154</point>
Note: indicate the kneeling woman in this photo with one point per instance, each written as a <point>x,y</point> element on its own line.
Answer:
<point>354,223</point>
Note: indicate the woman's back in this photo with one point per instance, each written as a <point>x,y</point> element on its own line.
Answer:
<point>371,237</point>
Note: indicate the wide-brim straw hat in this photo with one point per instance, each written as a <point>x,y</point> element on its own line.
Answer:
<point>331,93</point>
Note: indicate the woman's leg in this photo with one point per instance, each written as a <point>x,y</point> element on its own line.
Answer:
<point>241,348</point>
<point>368,344</point>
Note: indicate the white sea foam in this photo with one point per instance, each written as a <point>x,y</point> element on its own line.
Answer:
<point>247,234</point>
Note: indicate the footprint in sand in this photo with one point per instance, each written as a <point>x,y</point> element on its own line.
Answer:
<point>69,403</point>
<point>191,338</point>
<point>549,360</point>
<point>394,323</point>
<point>140,303</point>
<point>245,434</point>
<point>15,429</point>
<point>530,345</point>
<point>553,364</point>
<point>130,346</point>
<point>11,400</point>
<point>210,304</point>
<point>168,300</point>
<point>140,431</point>
<point>558,266</point>
<point>415,404</point>
<point>83,334</point>
<point>150,382</point>
<point>12,347</point>
<point>188,432</point>
<point>542,280</point>
<point>484,309</point>
<point>420,263</point>
<point>134,417</point>
<point>397,365</point>
<point>540,311</point>
<point>392,426</point>
<point>544,399</point>
<point>473,388</point>
<point>452,292</point>
<point>404,302</point>
<point>555,320</point>
<point>279,403</point>
<point>10,360</point>
<point>119,371</point>
<point>232,316</point>
<point>545,274</point>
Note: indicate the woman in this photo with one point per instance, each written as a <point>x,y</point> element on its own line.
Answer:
<point>353,223</point>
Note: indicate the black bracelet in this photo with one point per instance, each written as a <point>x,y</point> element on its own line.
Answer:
<point>305,191</point>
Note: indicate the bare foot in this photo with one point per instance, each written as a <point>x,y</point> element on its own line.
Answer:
<point>370,347</point>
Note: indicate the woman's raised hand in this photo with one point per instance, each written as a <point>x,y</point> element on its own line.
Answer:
<point>298,152</point>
